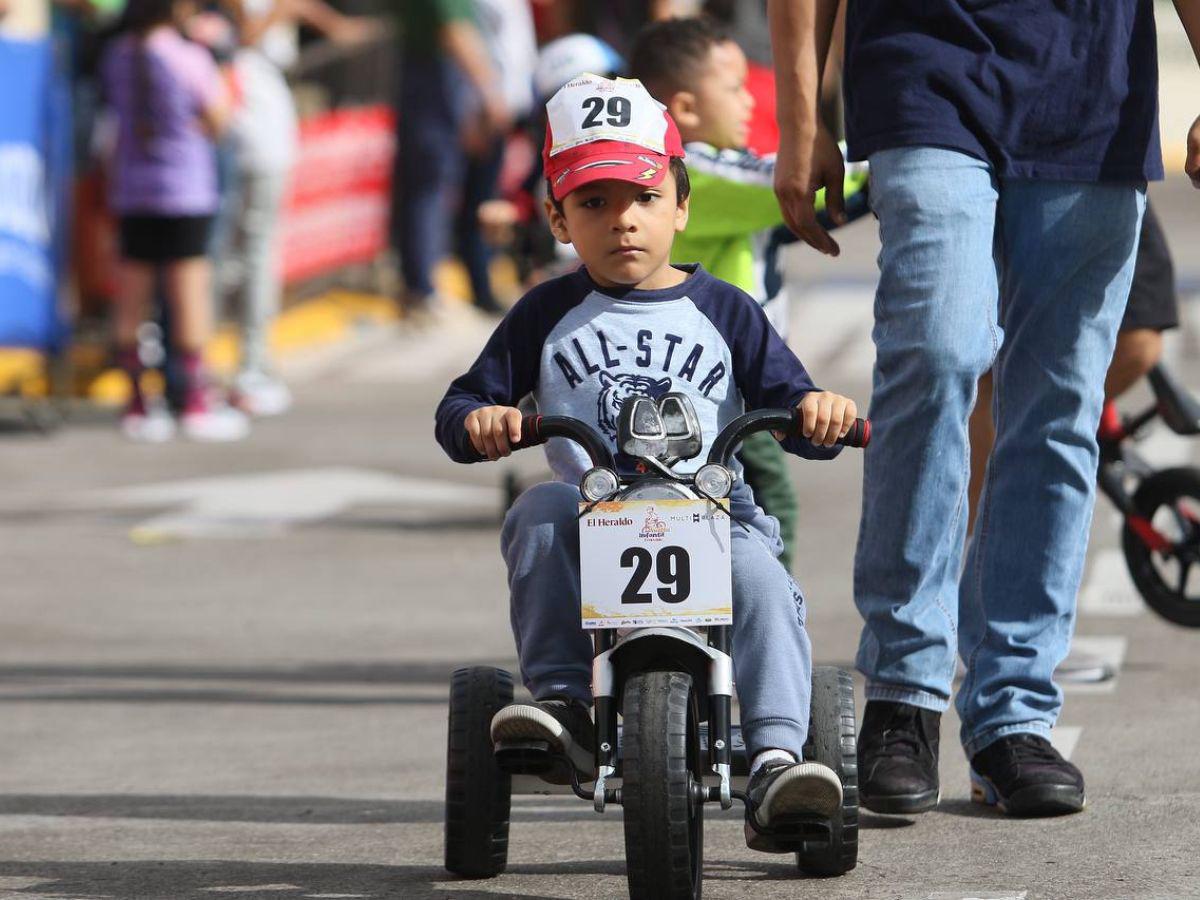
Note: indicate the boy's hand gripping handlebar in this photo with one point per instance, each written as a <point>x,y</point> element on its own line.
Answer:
<point>788,421</point>
<point>535,430</point>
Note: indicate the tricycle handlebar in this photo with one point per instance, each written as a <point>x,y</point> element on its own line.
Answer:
<point>788,421</point>
<point>535,430</point>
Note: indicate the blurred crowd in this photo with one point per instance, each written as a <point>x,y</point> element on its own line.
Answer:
<point>186,126</point>
<point>475,76</point>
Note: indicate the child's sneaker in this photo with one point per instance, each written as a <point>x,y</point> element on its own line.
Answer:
<point>1024,775</point>
<point>780,790</point>
<point>564,724</point>
<point>260,394</point>
<point>213,423</point>
<point>147,425</point>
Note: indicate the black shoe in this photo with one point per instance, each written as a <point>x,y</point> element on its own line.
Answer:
<point>565,725</point>
<point>780,791</point>
<point>898,758</point>
<point>1024,775</point>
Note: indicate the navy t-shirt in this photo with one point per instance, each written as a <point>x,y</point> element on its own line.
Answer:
<point>1055,89</point>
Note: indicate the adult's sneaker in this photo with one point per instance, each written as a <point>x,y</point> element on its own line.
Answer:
<point>215,423</point>
<point>1023,775</point>
<point>565,725</point>
<point>898,758</point>
<point>780,790</point>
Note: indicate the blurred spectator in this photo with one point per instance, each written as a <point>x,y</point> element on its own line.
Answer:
<point>170,103</point>
<point>463,82</point>
<point>538,253</point>
<point>506,27</point>
<point>263,142</point>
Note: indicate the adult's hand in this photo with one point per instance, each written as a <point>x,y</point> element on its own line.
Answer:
<point>1192,164</point>
<point>802,167</point>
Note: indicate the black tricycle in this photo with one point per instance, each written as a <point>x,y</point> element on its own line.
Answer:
<point>676,748</point>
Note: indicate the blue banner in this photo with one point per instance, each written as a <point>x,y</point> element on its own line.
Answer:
<point>34,180</point>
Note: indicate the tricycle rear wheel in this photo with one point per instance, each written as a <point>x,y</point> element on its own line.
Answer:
<point>478,793</point>
<point>832,740</point>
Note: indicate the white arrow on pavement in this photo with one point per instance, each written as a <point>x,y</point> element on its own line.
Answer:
<point>263,504</point>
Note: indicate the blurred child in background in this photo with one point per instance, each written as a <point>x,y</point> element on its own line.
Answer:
<point>735,229</point>
<point>170,104</point>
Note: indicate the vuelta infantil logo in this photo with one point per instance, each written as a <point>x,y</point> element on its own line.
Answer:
<point>654,529</point>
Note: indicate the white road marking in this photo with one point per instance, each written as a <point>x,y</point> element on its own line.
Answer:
<point>21,882</point>
<point>975,895</point>
<point>263,504</point>
<point>1107,589</point>
<point>252,888</point>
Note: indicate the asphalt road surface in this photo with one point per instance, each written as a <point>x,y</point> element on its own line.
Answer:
<point>223,670</point>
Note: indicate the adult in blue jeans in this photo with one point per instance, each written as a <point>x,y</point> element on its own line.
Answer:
<point>1010,145</point>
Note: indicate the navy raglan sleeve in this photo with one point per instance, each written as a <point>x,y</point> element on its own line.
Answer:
<point>767,372</point>
<point>507,368</point>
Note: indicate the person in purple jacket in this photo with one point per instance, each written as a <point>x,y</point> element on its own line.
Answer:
<point>170,102</point>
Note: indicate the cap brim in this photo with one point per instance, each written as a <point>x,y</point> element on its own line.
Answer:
<point>643,167</point>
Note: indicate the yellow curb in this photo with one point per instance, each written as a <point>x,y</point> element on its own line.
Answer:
<point>23,373</point>
<point>318,322</point>
<point>309,324</point>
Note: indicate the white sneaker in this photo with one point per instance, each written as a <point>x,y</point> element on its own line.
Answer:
<point>218,424</point>
<point>260,394</point>
<point>152,426</point>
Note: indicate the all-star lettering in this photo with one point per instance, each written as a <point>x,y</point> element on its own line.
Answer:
<point>588,367</point>
<point>609,362</point>
<point>712,378</point>
<point>673,340</point>
<point>589,346</point>
<point>568,371</point>
<point>643,345</point>
<point>689,365</point>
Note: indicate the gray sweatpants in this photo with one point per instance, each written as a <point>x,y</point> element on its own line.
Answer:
<point>772,656</point>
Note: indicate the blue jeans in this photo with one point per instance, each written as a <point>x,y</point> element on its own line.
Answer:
<point>976,272</point>
<point>772,656</point>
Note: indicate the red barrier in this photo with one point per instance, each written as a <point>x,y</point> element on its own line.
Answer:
<point>336,212</point>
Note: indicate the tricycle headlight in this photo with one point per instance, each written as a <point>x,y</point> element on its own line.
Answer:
<point>598,483</point>
<point>714,480</point>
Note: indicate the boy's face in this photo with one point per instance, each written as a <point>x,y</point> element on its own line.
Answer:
<point>717,110</point>
<point>622,231</point>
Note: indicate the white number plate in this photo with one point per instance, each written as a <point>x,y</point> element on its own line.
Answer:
<point>655,562</point>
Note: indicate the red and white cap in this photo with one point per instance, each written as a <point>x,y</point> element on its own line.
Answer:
<point>599,128</point>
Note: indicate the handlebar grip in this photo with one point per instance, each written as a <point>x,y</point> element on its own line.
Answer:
<point>531,433</point>
<point>859,434</point>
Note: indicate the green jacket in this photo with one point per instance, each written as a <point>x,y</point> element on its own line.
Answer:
<point>735,226</point>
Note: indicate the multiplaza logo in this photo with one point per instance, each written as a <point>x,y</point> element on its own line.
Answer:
<point>693,517</point>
